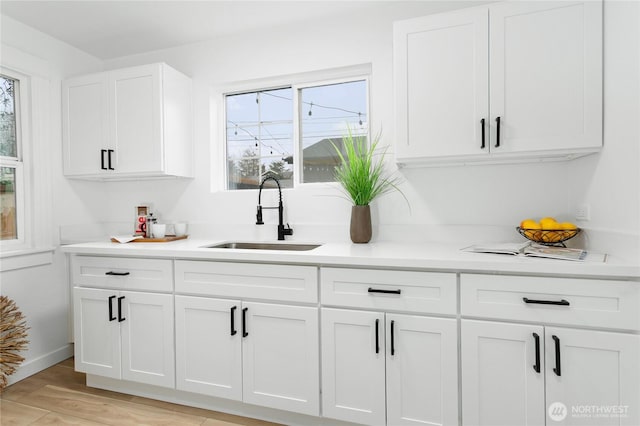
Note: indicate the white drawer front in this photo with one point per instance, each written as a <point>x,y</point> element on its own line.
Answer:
<point>247,280</point>
<point>123,273</point>
<point>600,303</point>
<point>422,292</point>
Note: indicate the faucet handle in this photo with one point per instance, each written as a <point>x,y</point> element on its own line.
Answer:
<point>288,230</point>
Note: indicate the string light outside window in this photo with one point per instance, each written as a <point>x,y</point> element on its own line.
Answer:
<point>261,132</point>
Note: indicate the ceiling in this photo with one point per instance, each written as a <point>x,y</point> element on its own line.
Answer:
<point>110,29</point>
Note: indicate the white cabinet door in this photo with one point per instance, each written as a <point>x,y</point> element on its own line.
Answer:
<point>501,384</point>
<point>96,332</point>
<point>147,338</point>
<point>546,75</point>
<point>422,370</point>
<point>353,366</point>
<point>589,370</point>
<point>441,75</point>
<point>209,346</point>
<point>84,125</point>
<point>135,107</point>
<point>280,357</point>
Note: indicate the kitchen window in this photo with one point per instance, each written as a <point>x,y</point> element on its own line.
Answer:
<point>11,166</point>
<point>290,132</point>
<point>25,161</point>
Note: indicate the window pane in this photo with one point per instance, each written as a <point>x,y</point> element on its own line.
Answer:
<point>327,112</point>
<point>8,220</point>
<point>8,139</point>
<point>259,137</point>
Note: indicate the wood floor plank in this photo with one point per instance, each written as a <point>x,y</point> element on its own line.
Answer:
<point>106,410</point>
<point>14,413</point>
<point>213,415</point>
<point>58,375</point>
<point>59,396</point>
<point>62,419</point>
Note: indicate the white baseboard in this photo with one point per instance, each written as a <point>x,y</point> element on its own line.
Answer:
<point>33,366</point>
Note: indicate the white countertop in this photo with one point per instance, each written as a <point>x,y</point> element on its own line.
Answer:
<point>426,256</point>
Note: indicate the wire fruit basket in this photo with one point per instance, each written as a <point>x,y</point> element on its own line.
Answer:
<point>549,237</point>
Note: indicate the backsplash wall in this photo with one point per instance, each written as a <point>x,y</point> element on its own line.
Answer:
<point>488,195</point>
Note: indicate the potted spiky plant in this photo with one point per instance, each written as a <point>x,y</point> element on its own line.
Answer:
<point>363,178</point>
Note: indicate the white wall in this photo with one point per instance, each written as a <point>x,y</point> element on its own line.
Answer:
<point>41,293</point>
<point>610,182</point>
<point>497,197</point>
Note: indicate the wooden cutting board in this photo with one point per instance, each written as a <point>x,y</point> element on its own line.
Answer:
<point>165,239</point>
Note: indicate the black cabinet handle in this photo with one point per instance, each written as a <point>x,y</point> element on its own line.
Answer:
<point>117,274</point>
<point>536,339</point>
<point>102,153</point>
<point>120,317</point>
<point>375,290</point>
<point>497,132</point>
<point>557,369</point>
<point>377,336</point>
<point>233,320</point>
<point>111,317</point>
<point>561,302</point>
<point>109,151</point>
<point>244,322</point>
<point>393,343</point>
<point>482,127</point>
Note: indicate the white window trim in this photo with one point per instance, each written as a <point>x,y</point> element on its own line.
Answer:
<point>301,80</point>
<point>35,246</point>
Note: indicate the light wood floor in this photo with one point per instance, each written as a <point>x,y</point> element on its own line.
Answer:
<point>58,396</point>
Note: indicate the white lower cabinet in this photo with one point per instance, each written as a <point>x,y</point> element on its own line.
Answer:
<point>260,353</point>
<point>208,347</point>
<point>382,368</point>
<point>519,374</point>
<point>124,335</point>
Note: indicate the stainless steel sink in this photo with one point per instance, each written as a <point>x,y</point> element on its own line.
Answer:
<point>265,246</point>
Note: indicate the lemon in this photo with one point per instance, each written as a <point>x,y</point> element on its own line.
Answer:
<point>569,228</point>
<point>529,224</point>
<point>549,224</point>
<point>531,229</point>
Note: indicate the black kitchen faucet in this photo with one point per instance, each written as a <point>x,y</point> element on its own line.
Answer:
<point>282,231</point>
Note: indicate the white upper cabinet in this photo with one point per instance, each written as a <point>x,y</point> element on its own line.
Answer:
<point>128,123</point>
<point>441,72</point>
<point>499,83</point>
<point>84,126</point>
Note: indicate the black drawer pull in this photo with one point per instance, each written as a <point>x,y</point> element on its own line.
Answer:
<point>557,369</point>
<point>117,274</point>
<point>497,132</point>
<point>536,366</point>
<point>109,151</point>
<point>561,302</point>
<point>233,320</point>
<point>482,127</point>
<point>376,290</point>
<point>245,333</point>
<point>377,336</point>
<point>111,317</point>
<point>102,153</point>
<point>393,343</point>
<point>120,317</point>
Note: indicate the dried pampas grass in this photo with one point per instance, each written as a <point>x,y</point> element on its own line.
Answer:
<point>13,333</point>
